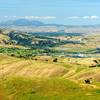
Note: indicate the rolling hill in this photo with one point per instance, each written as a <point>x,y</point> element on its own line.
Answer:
<point>22,79</point>
<point>44,66</point>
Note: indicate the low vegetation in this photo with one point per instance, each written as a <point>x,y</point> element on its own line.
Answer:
<point>22,79</point>
<point>49,66</point>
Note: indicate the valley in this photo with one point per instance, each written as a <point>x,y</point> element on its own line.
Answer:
<point>49,65</point>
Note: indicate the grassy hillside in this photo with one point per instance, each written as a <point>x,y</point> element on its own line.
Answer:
<point>41,79</point>
<point>49,66</point>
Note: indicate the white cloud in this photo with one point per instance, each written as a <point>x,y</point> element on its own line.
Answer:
<point>49,17</point>
<point>31,17</point>
<point>95,17</point>
<point>73,17</point>
<point>84,17</point>
<point>38,17</point>
<point>5,16</point>
<point>91,17</point>
<point>52,17</point>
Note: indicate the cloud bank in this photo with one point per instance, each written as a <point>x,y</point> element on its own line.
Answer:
<point>31,17</point>
<point>52,17</point>
<point>84,17</point>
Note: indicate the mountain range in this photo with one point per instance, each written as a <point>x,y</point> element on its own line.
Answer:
<point>21,22</point>
<point>38,26</point>
<point>26,22</point>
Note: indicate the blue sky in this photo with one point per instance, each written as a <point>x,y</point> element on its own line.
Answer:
<point>69,12</point>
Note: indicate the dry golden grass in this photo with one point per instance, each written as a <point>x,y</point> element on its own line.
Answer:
<point>47,78</point>
<point>77,69</point>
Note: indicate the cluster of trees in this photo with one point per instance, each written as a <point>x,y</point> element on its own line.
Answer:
<point>1,31</point>
<point>37,41</point>
<point>29,40</point>
<point>20,38</point>
<point>26,53</point>
<point>62,33</point>
<point>16,52</point>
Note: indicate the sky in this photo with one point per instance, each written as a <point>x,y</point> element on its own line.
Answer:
<point>68,12</point>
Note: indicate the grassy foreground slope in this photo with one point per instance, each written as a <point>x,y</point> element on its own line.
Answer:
<point>22,79</point>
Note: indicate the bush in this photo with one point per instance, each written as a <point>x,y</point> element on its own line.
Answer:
<point>55,60</point>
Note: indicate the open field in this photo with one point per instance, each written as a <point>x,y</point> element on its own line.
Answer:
<point>22,79</point>
<point>49,66</point>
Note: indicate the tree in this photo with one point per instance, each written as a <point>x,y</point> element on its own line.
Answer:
<point>1,31</point>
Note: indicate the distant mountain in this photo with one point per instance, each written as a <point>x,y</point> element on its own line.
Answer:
<point>22,22</point>
<point>26,22</point>
<point>26,25</point>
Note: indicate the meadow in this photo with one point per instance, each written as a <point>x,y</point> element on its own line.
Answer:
<point>25,79</point>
